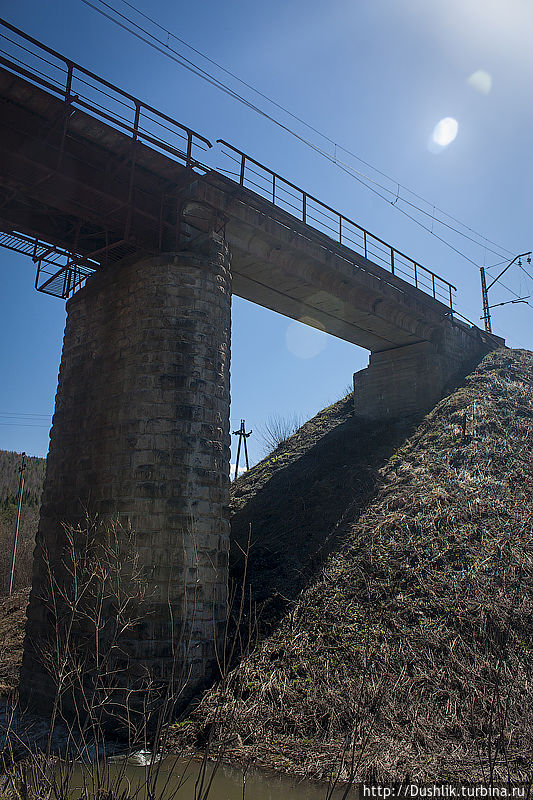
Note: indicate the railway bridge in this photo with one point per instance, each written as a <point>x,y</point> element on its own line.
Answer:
<point>118,206</point>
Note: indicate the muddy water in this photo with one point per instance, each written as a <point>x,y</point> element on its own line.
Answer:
<point>175,778</point>
<point>180,779</point>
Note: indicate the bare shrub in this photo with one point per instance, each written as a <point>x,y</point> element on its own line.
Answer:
<point>277,429</point>
<point>97,592</point>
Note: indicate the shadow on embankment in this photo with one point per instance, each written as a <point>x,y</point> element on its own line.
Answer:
<point>293,503</point>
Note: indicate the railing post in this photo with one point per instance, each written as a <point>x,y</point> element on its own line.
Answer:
<point>68,85</point>
<point>364,241</point>
<point>136,121</point>
<point>392,260</point>
<point>304,207</point>
<point>243,157</point>
<point>433,285</point>
<point>127,226</point>
<point>66,280</point>
<point>273,188</point>
<point>340,229</point>
<point>68,103</point>
<point>451,299</point>
<point>189,147</point>
<point>416,275</point>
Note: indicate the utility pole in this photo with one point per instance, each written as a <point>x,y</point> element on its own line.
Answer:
<point>16,534</point>
<point>241,433</point>
<point>485,290</point>
<point>486,308</point>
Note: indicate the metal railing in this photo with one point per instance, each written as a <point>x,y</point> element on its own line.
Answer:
<point>58,272</point>
<point>80,88</point>
<point>311,211</point>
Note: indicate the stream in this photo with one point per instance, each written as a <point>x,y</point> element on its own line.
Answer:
<point>179,778</point>
<point>121,777</point>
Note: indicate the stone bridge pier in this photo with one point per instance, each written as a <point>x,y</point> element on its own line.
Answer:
<point>140,439</point>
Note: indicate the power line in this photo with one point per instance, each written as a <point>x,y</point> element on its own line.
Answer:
<point>498,264</point>
<point>23,414</point>
<point>506,336</point>
<point>23,425</point>
<point>298,119</point>
<point>166,49</point>
<point>310,127</point>
<point>526,272</point>
<point>511,291</point>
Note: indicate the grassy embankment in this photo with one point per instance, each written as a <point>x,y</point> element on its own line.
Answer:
<point>392,565</point>
<point>411,650</point>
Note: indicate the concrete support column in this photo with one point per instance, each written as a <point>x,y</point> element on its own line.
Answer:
<point>140,439</point>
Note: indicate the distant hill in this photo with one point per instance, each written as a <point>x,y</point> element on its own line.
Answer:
<point>29,518</point>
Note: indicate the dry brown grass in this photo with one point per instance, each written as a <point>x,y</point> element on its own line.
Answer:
<point>411,652</point>
<point>414,645</point>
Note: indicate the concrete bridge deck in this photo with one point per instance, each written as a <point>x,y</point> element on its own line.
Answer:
<point>288,266</point>
<point>80,184</point>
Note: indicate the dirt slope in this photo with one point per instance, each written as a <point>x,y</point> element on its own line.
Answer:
<point>413,647</point>
<point>29,518</point>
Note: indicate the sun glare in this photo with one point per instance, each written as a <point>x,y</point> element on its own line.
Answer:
<point>445,131</point>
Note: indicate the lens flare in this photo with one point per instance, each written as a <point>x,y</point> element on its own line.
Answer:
<point>445,131</point>
<point>306,340</point>
<point>481,81</point>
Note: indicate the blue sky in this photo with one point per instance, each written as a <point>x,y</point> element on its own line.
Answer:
<point>374,76</point>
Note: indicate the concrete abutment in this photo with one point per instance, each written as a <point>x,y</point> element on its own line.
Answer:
<point>139,444</point>
<point>410,380</point>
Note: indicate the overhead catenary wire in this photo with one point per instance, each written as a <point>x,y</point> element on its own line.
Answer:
<point>525,272</point>
<point>501,283</point>
<point>24,419</point>
<point>511,291</point>
<point>345,167</point>
<point>24,425</point>
<point>363,179</point>
<point>165,48</point>
<point>504,333</point>
<point>24,414</point>
<point>308,125</point>
<point>299,119</point>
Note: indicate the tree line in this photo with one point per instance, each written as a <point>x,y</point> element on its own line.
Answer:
<point>29,517</point>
